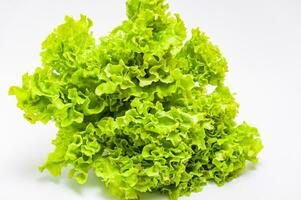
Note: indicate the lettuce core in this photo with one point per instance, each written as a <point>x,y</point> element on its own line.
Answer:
<point>136,108</point>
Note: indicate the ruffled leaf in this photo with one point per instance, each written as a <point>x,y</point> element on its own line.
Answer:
<point>136,108</point>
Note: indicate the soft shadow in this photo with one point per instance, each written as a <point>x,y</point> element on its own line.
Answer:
<point>152,196</point>
<point>93,182</point>
<point>105,192</point>
<point>49,178</point>
<point>251,166</point>
<point>74,186</point>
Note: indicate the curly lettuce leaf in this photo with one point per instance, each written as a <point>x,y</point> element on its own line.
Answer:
<point>135,108</point>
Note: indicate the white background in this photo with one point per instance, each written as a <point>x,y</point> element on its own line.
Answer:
<point>261,40</point>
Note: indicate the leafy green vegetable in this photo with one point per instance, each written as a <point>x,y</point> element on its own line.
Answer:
<point>136,108</point>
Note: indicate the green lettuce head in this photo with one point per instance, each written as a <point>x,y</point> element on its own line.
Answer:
<point>135,109</point>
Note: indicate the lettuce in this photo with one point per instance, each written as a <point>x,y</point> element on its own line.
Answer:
<point>136,108</point>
